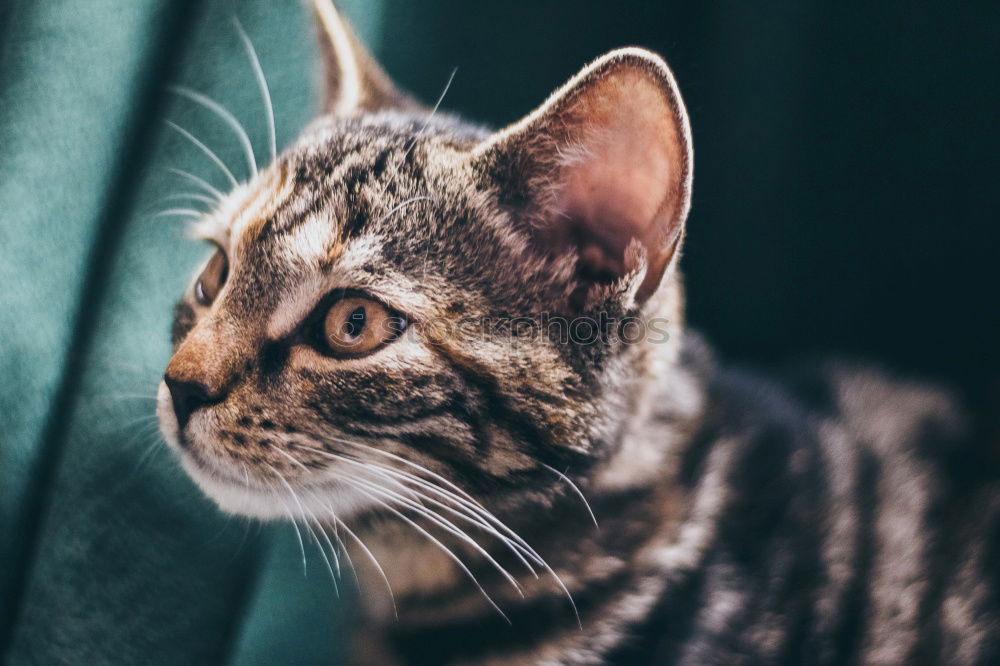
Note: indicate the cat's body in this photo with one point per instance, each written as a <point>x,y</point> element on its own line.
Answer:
<point>372,350</point>
<point>809,521</point>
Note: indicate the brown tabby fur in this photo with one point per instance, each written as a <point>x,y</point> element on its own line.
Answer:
<point>740,520</point>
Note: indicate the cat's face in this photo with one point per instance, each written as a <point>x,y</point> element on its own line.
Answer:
<point>396,294</point>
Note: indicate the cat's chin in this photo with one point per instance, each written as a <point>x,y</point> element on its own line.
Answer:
<point>231,497</point>
<point>234,496</point>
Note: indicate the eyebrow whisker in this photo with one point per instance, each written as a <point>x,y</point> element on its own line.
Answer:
<point>205,149</point>
<point>226,116</point>
<point>200,182</point>
<point>261,83</point>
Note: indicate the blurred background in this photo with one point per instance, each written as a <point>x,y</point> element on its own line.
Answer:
<point>846,202</point>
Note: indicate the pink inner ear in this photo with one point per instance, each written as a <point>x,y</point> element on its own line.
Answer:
<point>621,176</point>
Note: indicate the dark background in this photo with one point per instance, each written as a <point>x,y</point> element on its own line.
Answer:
<point>846,159</point>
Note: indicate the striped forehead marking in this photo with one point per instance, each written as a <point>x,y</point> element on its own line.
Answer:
<point>262,203</point>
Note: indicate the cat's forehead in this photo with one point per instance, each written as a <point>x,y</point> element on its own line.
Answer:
<point>344,178</point>
<point>354,203</point>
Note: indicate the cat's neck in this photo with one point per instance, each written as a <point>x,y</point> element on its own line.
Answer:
<point>632,495</point>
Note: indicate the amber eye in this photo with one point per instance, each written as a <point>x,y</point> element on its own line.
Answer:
<point>355,326</point>
<point>212,278</point>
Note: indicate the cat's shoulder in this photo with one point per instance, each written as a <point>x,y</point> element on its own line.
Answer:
<point>882,412</point>
<point>890,413</point>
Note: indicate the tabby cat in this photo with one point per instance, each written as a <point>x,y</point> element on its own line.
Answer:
<point>461,353</point>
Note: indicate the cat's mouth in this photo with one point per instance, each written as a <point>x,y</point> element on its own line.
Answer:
<point>242,489</point>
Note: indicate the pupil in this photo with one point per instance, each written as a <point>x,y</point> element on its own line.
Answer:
<point>355,322</point>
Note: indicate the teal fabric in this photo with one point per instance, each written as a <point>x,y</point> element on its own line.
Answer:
<point>49,218</point>
<point>110,555</point>
<point>845,199</point>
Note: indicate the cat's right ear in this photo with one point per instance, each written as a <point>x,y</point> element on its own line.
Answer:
<point>352,81</point>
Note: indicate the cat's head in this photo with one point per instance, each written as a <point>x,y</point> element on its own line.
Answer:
<point>402,293</point>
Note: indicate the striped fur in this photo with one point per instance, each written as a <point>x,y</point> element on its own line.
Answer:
<point>811,518</point>
<point>788,528</point>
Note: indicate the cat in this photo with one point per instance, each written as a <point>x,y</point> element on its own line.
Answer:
<point>462,353</point>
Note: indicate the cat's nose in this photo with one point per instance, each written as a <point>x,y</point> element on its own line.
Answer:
<point>203,370</point>
<point>188,397</point>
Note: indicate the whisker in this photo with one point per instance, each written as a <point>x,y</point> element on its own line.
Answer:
<point>475,519</point>
<point>466,515</point>
<point>430,116</point>
<point>489,516</point>
<point>154,448</point>
<point>444,549</point>
<point>427,121</point>
<point>147,420</point>
<point>291,458</point>
<point>179,212</point>
<point>298,535</point>
<point>261,83</point>
<point>302,546</point>
<point>414,495</point>
<point>205,149</point>
<point>115,397</point>
<point>409,463</point>
<point>444,524</point>
<point>472,503</point>
<point>226,116</point>
<point>193,196</point>
<point>336,536</point>
<point>515,542</point>
<point>243,539</point>
<point>575,489</point>
<point>305,513</point>
<point>371,556</point>
<point>142,429</point>
<point>322,552</point>
<point>200,182</point>
<point>326,538</point>
<point>423,128</point>
<point>437,104</point>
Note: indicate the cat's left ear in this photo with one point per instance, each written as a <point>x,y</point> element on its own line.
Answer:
<point>602,169</point>
<point>353,82</point>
